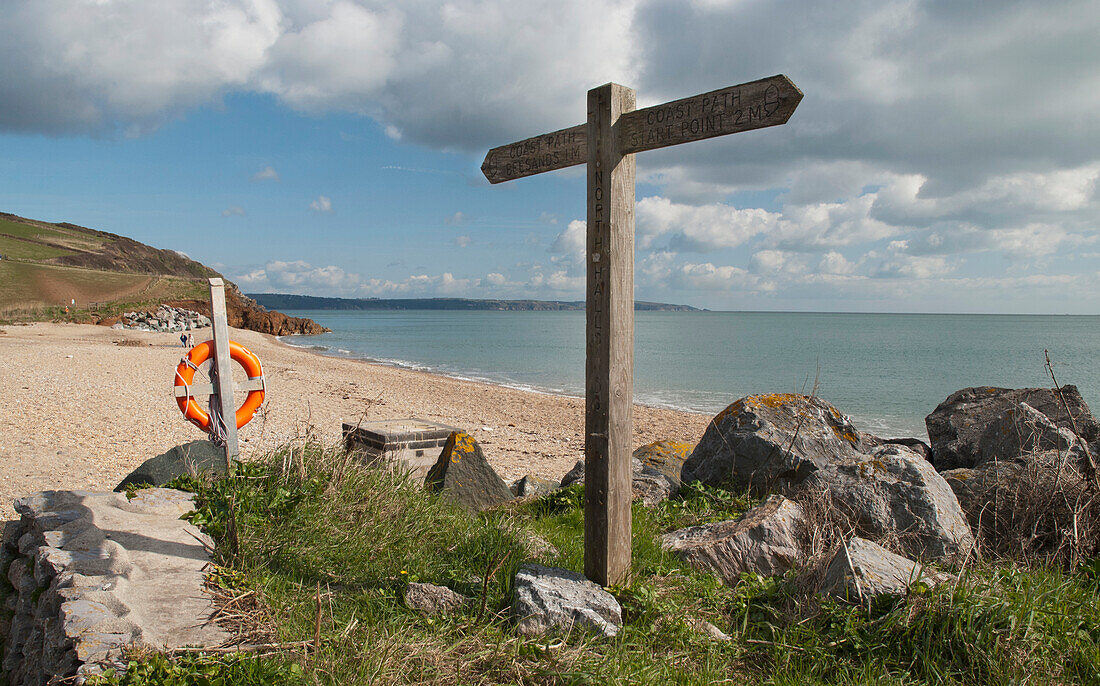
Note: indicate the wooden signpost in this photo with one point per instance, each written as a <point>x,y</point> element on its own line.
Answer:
<point>615,130</point>
<point>225,387</point>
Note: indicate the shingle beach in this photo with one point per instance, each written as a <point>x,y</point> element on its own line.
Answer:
<point>82,411</point>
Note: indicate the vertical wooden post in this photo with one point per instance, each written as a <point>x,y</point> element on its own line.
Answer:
<point>222,361</point>
<point>609,359</point>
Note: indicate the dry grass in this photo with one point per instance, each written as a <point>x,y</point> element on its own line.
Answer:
<point>1041,510</point>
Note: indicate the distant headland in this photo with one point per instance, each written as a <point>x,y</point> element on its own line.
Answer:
<point>283,301</point>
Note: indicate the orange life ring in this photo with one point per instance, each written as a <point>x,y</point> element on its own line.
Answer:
<point>185,374</point>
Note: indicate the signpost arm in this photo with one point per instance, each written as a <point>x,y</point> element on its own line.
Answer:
<point>609,359</point>
<point>225,372</point>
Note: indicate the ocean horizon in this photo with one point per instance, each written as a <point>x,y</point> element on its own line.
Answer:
<point>887,371</point>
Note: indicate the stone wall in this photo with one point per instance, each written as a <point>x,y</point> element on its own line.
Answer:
<point>93,573</point>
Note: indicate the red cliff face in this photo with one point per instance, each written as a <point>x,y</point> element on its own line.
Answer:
<point>244,313</point>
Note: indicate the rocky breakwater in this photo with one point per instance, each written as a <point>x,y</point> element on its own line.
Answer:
<point>165,318</point>
<point>94,573</point>
<point>243,312</point>
<point>1012,469</point>
<point>845,489</point>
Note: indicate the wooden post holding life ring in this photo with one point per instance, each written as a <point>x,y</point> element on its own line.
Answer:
<point>185,374</point>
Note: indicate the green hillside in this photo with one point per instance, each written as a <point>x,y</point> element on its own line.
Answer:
<point>44,267</point>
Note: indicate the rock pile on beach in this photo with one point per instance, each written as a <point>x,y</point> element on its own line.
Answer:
<point>165,318</point>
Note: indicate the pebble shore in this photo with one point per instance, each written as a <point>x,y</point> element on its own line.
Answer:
<point>85,405</point>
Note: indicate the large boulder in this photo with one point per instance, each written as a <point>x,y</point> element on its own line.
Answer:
<point>547,598</point>
<point>647,483</point>
<point>196,457</point>
<point>861,570</point>
<point>957,425</point>
<point>975,487</point>
<point>766,540</point>
<point>892,492</point>
<point>771,442</point>
<point>463,475</point>
<point>533,485</point>
<point>666,457</point>
<point>1022,431</point>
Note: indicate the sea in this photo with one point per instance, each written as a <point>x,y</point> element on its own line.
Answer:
<point>886,371</point>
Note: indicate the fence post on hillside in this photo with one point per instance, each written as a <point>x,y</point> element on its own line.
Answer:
<point>223,372</point>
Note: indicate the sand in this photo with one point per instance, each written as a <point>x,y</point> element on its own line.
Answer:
<point>82,411</point>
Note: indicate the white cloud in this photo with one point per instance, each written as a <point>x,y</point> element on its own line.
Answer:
<point>699,228</point>
<point>93,66</point>
<point>710,277</point>
<point>268,173</point>
<point>323,203</point>
<point>90,66</point>
<point>455,219</point>
<point>776,261</point>
<point>462,241</point>
<point>833,262</point>
<point>896,261</point>
<point>298,277</point>
<point>571,241</point>
<point>233,211</point>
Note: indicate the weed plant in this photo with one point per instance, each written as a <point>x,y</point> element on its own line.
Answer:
<point>327,548</point>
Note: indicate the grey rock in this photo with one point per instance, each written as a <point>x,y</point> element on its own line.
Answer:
<point>21,578</point>
<point>915,444</point>
<point>9,539</point>
<point>9,545</point>
<point>765,540</point>
<point>21,626</point>
<point>533,485</point>
<point>770,442</point>
<point>651,487</point>
<point>974,487</point>
<point>537,546</point>
<point>434,600</point>
<point>648,484</point>
<point>463,475</point>
<point>195,457</point>
<point>666,457</point>
<point>160,501</point>
<point>1021,430</point>
<point>894,492</point>
<point>574,475</point>
<point>704,627</point>
<point>861,570</point>
<point>548,599</point>
<point>956,426</point>
<point>79,617</point>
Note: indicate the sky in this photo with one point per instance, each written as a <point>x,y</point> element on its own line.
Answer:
<point>945,157</point>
